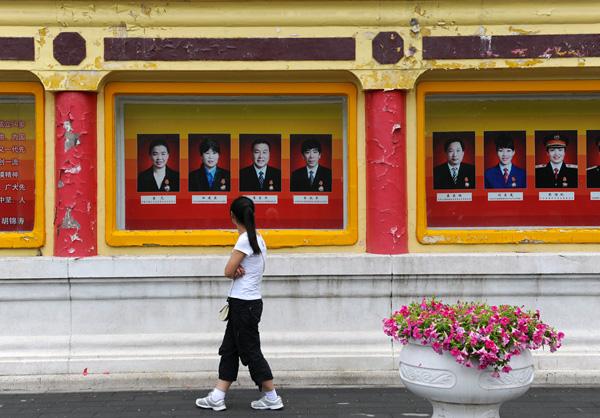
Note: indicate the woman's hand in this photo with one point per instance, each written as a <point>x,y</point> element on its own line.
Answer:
<point>239,272</point>
<point>233,269</point>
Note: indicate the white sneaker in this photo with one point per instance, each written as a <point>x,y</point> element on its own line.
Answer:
<point>266,403</point>
<point>208,403</point>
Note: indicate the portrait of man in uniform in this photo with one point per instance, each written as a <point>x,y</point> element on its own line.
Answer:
<point>260,176</point>
<point>210,177</point>
<point>593,156</point>
<point>313,176</point>
<point>505,174</point>
<point>556,173</point>
<point>159,177</point>
<point>454,173</point>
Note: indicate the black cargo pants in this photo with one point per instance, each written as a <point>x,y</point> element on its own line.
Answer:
<point>242,342</point>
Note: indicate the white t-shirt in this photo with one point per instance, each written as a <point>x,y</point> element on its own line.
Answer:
<point>247,287</point>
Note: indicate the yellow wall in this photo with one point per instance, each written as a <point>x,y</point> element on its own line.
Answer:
<point>362,20</point>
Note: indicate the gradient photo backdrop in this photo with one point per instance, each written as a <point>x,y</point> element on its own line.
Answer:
<point>233,119</point>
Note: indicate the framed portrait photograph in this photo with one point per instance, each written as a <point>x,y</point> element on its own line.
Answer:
<point>310,163</point>
<point>180,153</point>
<point>209,157</point>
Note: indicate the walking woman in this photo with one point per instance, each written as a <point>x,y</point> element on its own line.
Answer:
<point>242,340</point>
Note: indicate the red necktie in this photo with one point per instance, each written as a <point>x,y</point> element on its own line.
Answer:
<point>555,173</point>
<point>505,175</point>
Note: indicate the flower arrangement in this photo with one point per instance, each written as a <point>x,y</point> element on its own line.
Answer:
<point>489,335</point>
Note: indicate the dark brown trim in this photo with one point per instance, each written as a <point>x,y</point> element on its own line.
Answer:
<point>22,49</point>
<point>507,46</point>
<point>388,47</point>
<point>229,49</point>
<point>69,48</point>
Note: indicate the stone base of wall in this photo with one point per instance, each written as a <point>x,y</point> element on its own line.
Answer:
<point>133,323</point>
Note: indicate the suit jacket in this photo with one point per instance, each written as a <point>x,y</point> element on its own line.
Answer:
<point>199,181</point>
<point>566,179</point>
<point>442,178</point>
<point>249,180</point>
<point>494,178</point>
<point>300,181</point>
<point>147,183</point>
<point>593,177</point>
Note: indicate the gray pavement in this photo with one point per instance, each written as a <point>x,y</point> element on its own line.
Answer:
<point>377,402</point>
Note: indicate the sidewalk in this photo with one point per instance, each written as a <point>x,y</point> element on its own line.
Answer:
<point>389,402</point>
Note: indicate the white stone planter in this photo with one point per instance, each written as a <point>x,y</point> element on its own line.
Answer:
<point>456,391</point>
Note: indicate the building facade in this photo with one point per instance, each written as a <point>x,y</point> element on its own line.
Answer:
<point>113,281</point>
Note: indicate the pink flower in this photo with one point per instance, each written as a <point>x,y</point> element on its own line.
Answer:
<point>417,333</point>
<point>437,346</point>
<point>490,335</point>
<point>491,346</point>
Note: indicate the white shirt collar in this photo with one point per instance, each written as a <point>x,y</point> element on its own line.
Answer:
<point>451,167</point>
<point>264,170</point>
<point>159,176</point>
<point>314,170</point>
<point>556,166</point>
<point>509,166</point>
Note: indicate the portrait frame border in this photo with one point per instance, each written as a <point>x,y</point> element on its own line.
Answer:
<point>274,238</point>
<point>558,234</point>
<point>35,238</point>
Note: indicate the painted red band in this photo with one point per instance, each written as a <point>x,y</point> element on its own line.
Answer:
<point>75,220</point>
<point>386,172</point>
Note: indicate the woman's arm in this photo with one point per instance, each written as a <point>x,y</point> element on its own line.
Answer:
<point>233,269</point>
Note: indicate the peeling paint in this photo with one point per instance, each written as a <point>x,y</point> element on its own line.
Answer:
<point>119,31</point>
<point>83,80</point>
<point>71,138</point>
<point>74,170</point>
<point>522,63</point>
<point>68,220</point>
<point>53,81</point>
<point>391,79</point>
<point>531,241</point>
<point>419,11</point>
<point>75,209</point>
<point>433,239</point>
<point>410,51</point>
<point>416,28</point>
<point>515,31</point>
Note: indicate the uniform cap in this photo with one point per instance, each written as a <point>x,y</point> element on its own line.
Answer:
<point>556,140</point>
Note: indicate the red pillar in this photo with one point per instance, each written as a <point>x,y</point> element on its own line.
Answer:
<point>76,160</point>
<point>386,172</point>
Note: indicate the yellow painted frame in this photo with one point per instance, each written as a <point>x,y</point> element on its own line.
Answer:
<point>274,238</point>
<point>492,236</point>
<point>37,237</point>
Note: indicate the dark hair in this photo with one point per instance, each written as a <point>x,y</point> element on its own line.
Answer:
<point>451,140</point>
<point>598,141</point>
<point>504,140</point>
<point>261,141</point>
<point>157,143</point>
<point>209,143</point>
<point>310,144</point>
<point>243,210</point>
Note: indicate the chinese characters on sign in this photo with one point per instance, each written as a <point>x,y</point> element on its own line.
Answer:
<point>17,163</point>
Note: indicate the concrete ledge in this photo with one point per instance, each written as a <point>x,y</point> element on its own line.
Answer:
<point>206,380</point>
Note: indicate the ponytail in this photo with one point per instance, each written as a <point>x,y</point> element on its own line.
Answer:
<point>243,210</point>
